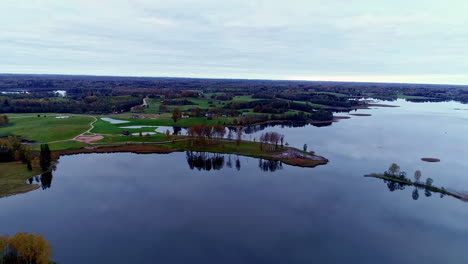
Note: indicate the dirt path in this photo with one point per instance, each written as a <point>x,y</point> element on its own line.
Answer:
<point>89,130</point>
<point>81,137</point>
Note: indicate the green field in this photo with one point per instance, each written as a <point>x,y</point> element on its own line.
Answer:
<point>62,145</point>
<point>135,139</point>
<point>45,129</point>
<point>13,176</point>
<point>104,127</point>
<point>202,103</point>
<point>244,98</point>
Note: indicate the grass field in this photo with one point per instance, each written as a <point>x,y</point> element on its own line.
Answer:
<point>135,139</point>
<point>244,98</point>
<point>13,176</point>
<point>103,127</point>
<point>202,103</point>
<point>45,129</point>
<point>63,145</point>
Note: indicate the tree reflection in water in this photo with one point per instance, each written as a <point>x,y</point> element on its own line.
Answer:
<point>215,161</point>
<point>45,180</point>
<point>270,165</point>
<point>204,160</point>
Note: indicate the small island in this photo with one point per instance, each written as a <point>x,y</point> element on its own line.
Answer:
<point>397,180</point>
<point>430,159</point>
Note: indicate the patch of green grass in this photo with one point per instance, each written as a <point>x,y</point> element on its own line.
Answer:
<point>70,144</point>
<point>244,98</point>
<point>202,103</point>
<point>134,139</point>
<point>103,127</point>
<point>302,102</point>
<point>13,176</point>
<point>246,148</point>
<point>46,129</point>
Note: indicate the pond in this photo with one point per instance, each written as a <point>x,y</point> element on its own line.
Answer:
<point>114,121</point>
<point>212,208</point>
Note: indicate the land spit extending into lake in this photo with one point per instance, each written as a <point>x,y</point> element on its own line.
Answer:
<point>73,134</point>
<point>403,181</point>
<point>14,182</point>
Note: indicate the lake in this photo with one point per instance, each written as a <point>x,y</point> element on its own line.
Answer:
<point>211,208</point>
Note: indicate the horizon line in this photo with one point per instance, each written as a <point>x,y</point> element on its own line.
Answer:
<point>226,78</point>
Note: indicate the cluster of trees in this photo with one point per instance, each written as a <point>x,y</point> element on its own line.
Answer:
<point>319,115</point>
<point>11,149</point>
<point>3,120</point>
<point>223,97</point>
<point>202,134</point>
<point>394,172</point>
<point>178,102</point>
<point>250,119</point>
<point>25,248</point>
<point>270,141</point>
<point>88,104</point>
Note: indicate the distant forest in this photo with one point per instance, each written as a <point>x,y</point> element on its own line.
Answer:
<point>102,95</point>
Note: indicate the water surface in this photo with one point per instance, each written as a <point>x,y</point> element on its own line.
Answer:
<point>211,208</point>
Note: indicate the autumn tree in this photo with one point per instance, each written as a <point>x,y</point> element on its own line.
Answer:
<point>394,169</point>
<point>162,108</point>
<point>12,149</point>
<point>25,248</point>
<point>417,175</point>
<point>269,141</point>
<point>219,131</point>
<point>196,112</point>
<point>176,114</point>
<point>138,109</point>
<point>3,120</point>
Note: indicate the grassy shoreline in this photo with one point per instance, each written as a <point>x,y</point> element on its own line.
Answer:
<point>61,135</point>
<point>245,148</point>
<point>13,179</point>
<point>15,174</point>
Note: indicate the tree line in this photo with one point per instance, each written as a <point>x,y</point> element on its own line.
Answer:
<point>201,134</point>
<point>271,141</point>
<point>11,149</point>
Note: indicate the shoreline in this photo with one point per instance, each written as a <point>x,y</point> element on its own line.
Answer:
<point>297,158</point>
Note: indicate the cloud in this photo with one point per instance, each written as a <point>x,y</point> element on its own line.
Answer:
<point>271,39</point>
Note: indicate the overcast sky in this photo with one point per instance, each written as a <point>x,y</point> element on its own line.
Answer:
<point>423,41</point>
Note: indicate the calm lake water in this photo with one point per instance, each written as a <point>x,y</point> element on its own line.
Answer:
<point>206,208</point>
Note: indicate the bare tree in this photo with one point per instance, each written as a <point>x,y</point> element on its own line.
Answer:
<point>417,175</point>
